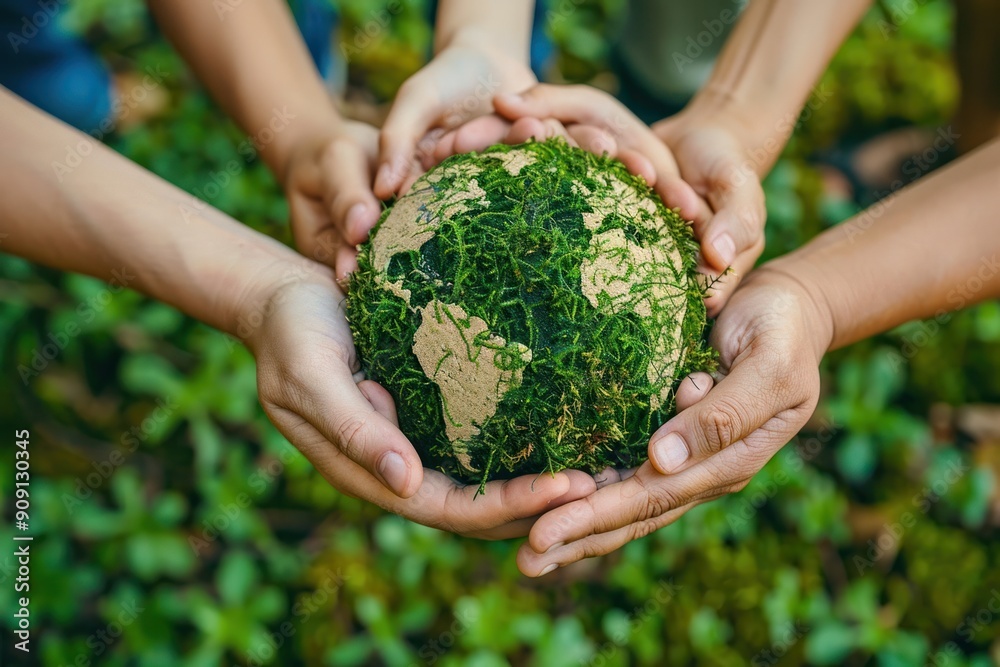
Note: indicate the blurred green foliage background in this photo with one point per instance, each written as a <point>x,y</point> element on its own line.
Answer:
<point>166,507</point>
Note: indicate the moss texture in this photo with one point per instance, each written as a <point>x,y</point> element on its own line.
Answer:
<point>510,250</point>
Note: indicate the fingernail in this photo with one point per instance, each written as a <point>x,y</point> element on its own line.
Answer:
<point>554,546</point>
<point>670,452</point>
<point>354,218</point>
<point>382,177</point>
<point>509,97</point>
<point>393,470</point>
<point>548,568</point>
<point>726,248</point>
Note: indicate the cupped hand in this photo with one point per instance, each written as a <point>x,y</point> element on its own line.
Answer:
<point>328,183</point>
<point>695,160</point>
<point>587,117</point>
<point>713,161</point>
<point>311,388</point>
<point>456,86</point>
<point>770,338</point>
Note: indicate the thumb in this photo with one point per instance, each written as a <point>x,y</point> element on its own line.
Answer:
<point>732,411</point>
<point>738,224</point>
<point>408,121</point>
<point>361,422</point>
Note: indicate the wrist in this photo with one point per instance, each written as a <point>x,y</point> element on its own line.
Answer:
<point>760,128</point>
<point>799,294</point>
<point>259,298</point>
<point>487,41</point>
<point>298,139</point>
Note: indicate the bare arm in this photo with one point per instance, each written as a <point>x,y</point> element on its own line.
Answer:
<point>502,25</point>
<point>768,67</point>
<point>926,251</point>
<point>254,62</point>
<point>933,248</point>
<point>108,217</point>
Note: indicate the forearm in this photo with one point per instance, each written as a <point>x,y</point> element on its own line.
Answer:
<point>929,250</point>
<point>101,215</point>
<point>770,64</point>
<point>254,62</point>
<point>505,26</point>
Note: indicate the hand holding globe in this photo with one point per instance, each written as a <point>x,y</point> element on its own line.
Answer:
<point>530,309</point>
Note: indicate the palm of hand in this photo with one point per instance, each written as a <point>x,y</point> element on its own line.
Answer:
<point>768,386</point>
<point>307,374</point>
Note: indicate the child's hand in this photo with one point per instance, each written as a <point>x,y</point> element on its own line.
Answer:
<point>458,85</point>
<point>770,337</point>
<point>328,183</point>
<point>310,387</point>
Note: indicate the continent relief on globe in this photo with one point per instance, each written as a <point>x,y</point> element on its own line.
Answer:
<point>530,308</point>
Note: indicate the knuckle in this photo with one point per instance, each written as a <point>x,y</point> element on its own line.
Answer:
<point>750,221</point>
<point>351,434</point>
<point>659,501</point>
<point>719,426</point>
<point>643,528</point>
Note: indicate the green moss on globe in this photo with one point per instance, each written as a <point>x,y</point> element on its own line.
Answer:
<point>530,308</point>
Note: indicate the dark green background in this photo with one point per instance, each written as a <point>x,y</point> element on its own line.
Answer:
<point>779,569</point>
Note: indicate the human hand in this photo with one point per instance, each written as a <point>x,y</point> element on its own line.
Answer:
<point>694,161</point>
<point>328,183</point>
<point>311,388</point>
<point>770,338</point>
<point>710,155</point>
<point>456,86</point>
<point>586,117</point>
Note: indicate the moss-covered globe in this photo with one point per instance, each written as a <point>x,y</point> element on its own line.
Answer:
<point>530,308</point>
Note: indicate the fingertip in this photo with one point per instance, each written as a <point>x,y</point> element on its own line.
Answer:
<point>524,129</point>
<point>551,485</point>
<point>383,187</point>
<point>445,147</point>
<point>692,389</point>
<point>545,535</point>
<point>639,164</point>
<point>720,251</point>
<point>581,484</point>
<point>607,476</point>
<point>345,263</point>
<point>480,133</point>
<point>678,194</point>
<point>359,221</point>
<point>595,140</point>
<point>527,560</point>
<point>669,453</point>
<point>390,175</point>
<point>507,104</point>
<point>408,182</point>
<point>398,474</point>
